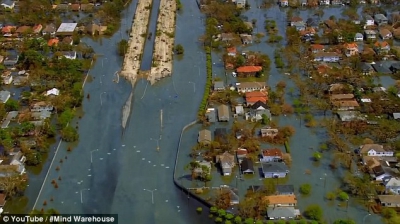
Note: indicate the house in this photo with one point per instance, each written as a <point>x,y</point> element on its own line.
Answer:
<point>307,33</point>
<point>350,116</point>
<point>69,54</point>
<point>358,37</point>
<point>241,153</point>
<point>392,185</point>
<point>327,57</point>
<point>295,20</point>
<point>219,86</point>
<point>271,155</point>
<point>317,48</point>
<point>4,96</point>
<point>8,31</point>
<point>23,30</point>
<point>223,113</point>
<point>375,150</point>
<point>281,200</point>
<point>18,159</point>
<point>41,106</point>
<point>221,135</point>
<point>369,21</point>
<point>350,49</point>
<point>336,2</point>
<point>226,37</point>
<point>7,77</point>
<point>50,29</point>
<point>239,110</point>
<point>366,68</point>
<point>300,26</point>
<point>283,3</point>
<point>281,213</point>
<point>52,92</point>
<point>269,132</point>
<point>259,105</point>
<point>226,162</point>
<point>286,189</point>
<point>385,34</point>
<point>204,137</point>
<point>68,40</point>
<point>380,19</point>
<point>10,116</point>
<point>244,87</point>
<point>303,3</point>
<point>11,60</point>
<point>231,51</point>
<point>344,101</point>
<point>240,4</point>
<point>246,39</point>
<point>53,42</point>
<point>8,4</point>
<point>395,67</point>
<point>255,96</point>
<point>274,170</point>
<point>66,29</point>
<point>257,115</point>
<point>42,115</point>
<point>2,200</point>
<point>246,166</point>
<point>95,29</point>
<point>199,170</point>
<point>246,71</point>
<point>370,34</point>
<point>37,28</point>
<point>381,47</point>
<point>313,23</point>
<point>396,116</point>
<point>324,2</point>
<point>211,115</point>
<point>391,201</point>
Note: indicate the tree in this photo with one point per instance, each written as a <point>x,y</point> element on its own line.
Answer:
<point>14,184</point>
<point>12,105</point>
<point>69,134</point>
<point>223,200</point>
<point>179,49</point>
<point>314,212</point>
<point>33,157</point>
<point>237,220</point>
<point>317,156</point>
<point>265,119</point>
<point>65,117</point>
<point>122,47</point>
<point>343,196</point>
<point>344,221</point>
<point>305,189</point>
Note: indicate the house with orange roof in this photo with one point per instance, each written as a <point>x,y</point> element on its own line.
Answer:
<point>316,48</point>
<point>323,69</point>
<point>75,7</point>
<point>232,51</point>
<point>53,42</point>
<point>37,28</point>
<point>246,71</point>
<point>255,96</point>
<point>23,29</point>
<point>350,49</point>
<point>8,30</point>
<point>281,200</point>
<point>381,47</point>
<point>270,155</point>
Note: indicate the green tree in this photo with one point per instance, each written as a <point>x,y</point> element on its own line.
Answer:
<point>12,105</point>
<point>69,134</point>
<point>33,157</point>
<point>179,49</point>
<point>313,212</point>
<point>305,189</point>
<point>213,210</point>
<point>317,156</point>
<point>122,47</point>
<point>229,216</point>
<point>343,196</point>
<point>65,117</point>
<point>228,222</point>
<point>249,221</point>
<point>218,220</point>
<point>238,220</point>
<point>344,221</point>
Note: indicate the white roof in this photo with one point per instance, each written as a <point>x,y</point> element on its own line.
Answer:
<point>53,91</point>
<point>67,27</point>
<point>366,100</point>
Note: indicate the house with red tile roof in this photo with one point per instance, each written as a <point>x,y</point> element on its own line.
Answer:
<point>350,49</point>
<point>53,42</point>
<point>270,155</point>
<point>37,28</point>
<point>381,47</point>
<point>232,51</point>
<point>8,30</point>
<point>248,70</point>
<point>316,48</point>
<point>255,96</point>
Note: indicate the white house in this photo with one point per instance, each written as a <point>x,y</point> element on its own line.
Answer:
<point>374,150</point>
<point>69,54</point>
<point>41,106</point>
<point>53,91</point>
<point>392,185</point>
<point>369,21</point>
<point>245,87</point>
<point>324,2</point>
<point>7,79</point>
<point>4,96</point>
<point>358,37</point>
<point>8,4</point>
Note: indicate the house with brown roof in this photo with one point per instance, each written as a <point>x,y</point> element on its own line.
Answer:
<point>7,31</point>
<point>241,153</point>
<point>271,155</point>
<point>391,201</point>
<point>316,48</point>
<point>223,113</point>
<point>350,49</point>
<point>246,71</point>
<point>68,40</point>
<point>295,19</point>
<point>204,137</point>
<point>255,96</point>
<point>281,200</point>
<point>226,162</point>
<point>385,34</point>
<point>75,7</point>
<point>37,28</point>
<point>331,24</point>
<point>23,30</point>
<point>344,101</point>
<point>50,29</point>
<point>375,150</point>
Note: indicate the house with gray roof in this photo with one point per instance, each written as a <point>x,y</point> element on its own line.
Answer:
<point>274,170</point>
<point>11,60</point>
<point>204,137</point>
<point>287,189</point>
<point>41,115</point>
<point>392,185</point>
<point>219,86</point>
<point>199,170</point>
<point>226,162</point>
<point>281,213</point>
<point>358,37</point>
<point>223,113</point>
<point>211,115</point>
<point>391,201</point>
<point>246,166</point>
<point>4,96</point>
<point>10,116</point>
<point>380,19</point>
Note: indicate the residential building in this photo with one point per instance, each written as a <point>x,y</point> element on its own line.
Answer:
<point>66,29</point>
<point>18,159</point>
<point>68,40</point>
<point>53,42</point>
<point>219,86</point>
<point>245,71</point>
<point>239,110</point>
<point>75,7</point>
<point>283,3</point>
<point>380,19</point>
<point>255,96</point>
<point>269,132</point>
<point>358,37</point>
<point>375,150</point>
<point>8,4</point>
<point>226,162</point>
<point>52,92</point>
<point>271,155</point>
<point>313,23</point>
<point>274,170</point>
<point>211,115</point>
<point>10,116</point>
<point>366,68</point>
<point>246,39</point>
<point>240,4</point>
<point>385,34</point>
<point>281,200</point>
<point>324,2</point>
<point>69,54</point>
<point>259,105</point>
<point>336,2</point>
<point>7,77</point>
<point>281,213</point>
<point>327,57</point>
<point>221,135</point>
<point>370,34</point>
<point>286,189</point>
<point>37,28</point>
<point>295,20</point>
<point>395,67</point>
<point>231,51</point>
<point>50,29</point>
<point>241,153</point>
<point>204,137</point>
<point>223,113</point>
<point>391,201</point>
<point>8,31</point>
<point>2,200</point>
<point>381,47</point>
<point>11,60</point>
<point>4,96</point>
<point>369,21</point>
<point>317,48</point>
<point>41,106</point>
<point>42,115</point>
<point>244,87</point>
<point>392,185</point>
<point>257,115</point>
<point>350,49</point>
<point>246,166</point>
<point>23,30</point>
<point>344,101</point>
<point>226,37</point>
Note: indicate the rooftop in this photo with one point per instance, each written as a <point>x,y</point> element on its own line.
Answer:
<point>67,27</point>
<point>281,199</point>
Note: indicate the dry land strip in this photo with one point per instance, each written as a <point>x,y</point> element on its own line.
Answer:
<point>164,42</point>
<point>131,66</point>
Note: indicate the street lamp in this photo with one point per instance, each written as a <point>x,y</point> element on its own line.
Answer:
<point>324,181</point>
<point>366,217</point>
<point>91,155</point>
<point>152,194</point>
<point>194,87</point>
<point>102,64</point>
<point>101,100</point>
<point>81,194</point>
<point>158,145</point>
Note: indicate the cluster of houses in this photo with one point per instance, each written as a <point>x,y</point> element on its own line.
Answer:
<point>314,3</point>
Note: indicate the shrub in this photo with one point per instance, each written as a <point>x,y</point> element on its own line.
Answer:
<point>317,156</point>
<point>213,210</point>
<point>313,212</point>
<point>330,196</point>
<point>305,189</point>
<point>199,209</point>
<point>343,196</point>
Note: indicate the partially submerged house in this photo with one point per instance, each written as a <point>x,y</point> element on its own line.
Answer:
<point>226,162</point>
